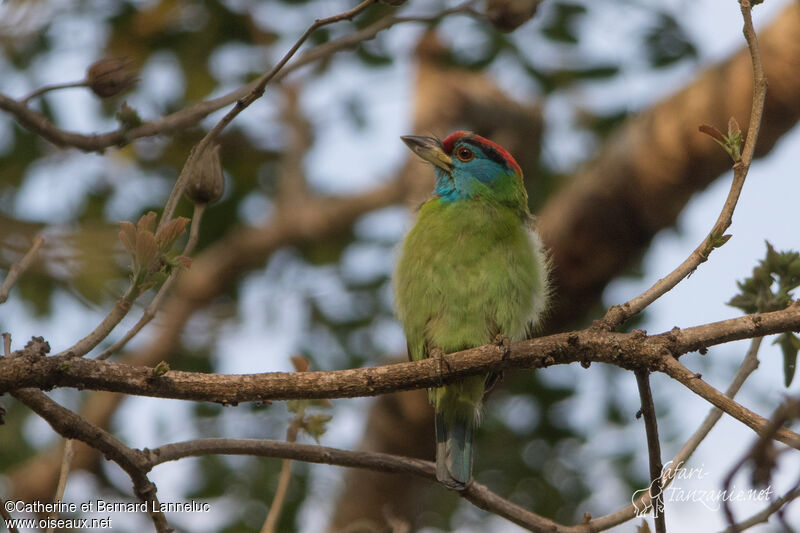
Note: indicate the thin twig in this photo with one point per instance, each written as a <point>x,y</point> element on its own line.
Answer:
<point>763,515</point>
<point>749,364</point>
<point>72,426</point>
<point>189,116</point>
<point>242,104</point>
<point>54,87</point>
<point>271,523</point>
<point>106,326</point>
<point>152,309</point>
<point>674,369</point>
<point>66,465</point>
<point>476,493</point>
<point>6,344</point>
<point>17,269</point>
<point>617,314</point>
<point>653,446</point>
<point>761,453</point>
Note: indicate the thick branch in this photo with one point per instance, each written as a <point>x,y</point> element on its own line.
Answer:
<point>627,350</point>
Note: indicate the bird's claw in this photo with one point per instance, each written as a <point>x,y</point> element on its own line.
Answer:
<point>438,354</point>
<point>502,342</point>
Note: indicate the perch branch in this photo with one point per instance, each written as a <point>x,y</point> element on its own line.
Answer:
<point>627,350</point>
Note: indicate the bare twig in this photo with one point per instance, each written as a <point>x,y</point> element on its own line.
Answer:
<point>476,493</point>
<point>271,523</point>
<point>761,454</point>
<point>152,309</point>
<point>54,87</point>
<point>749,364</point>
<point>244,103</point>
<point>72,426</point>
<point>619,313</point>
<point>653,446</point>
<point>757,423</point>
<point>111,320</point>
<point>189,116</point>
<point>17,269</point>
<point>6,344</point>
<point>66,465</point>
<point>763,515</point>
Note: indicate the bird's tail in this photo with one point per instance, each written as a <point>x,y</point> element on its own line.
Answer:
<point>453,451</point>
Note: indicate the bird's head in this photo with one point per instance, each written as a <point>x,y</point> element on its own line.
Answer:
<point>468,165</point>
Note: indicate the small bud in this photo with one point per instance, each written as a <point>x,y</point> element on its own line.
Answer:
<point>110,76</point>
<point>160,369</point>
<point>128,117</point>
<point>207,183</point>
<point>508,15</point>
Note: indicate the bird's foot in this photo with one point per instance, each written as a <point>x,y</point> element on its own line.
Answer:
<point>502,342</point>
<point>438,354</point>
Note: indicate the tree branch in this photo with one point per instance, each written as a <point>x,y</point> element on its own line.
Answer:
<point>651,165</point>
<point>243,103</point>
<point>71,426</point>
<point>648,411</point>
<point>475,493</point>
<point>619,313</point>
<point>39,124</point>
<point>627,350</point>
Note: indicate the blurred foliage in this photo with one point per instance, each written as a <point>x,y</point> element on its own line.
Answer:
<point>174,45</point>
<point>770,289</point>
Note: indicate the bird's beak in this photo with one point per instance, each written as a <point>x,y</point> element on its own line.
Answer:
<point>430,150</point>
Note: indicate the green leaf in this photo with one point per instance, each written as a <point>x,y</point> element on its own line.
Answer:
<point>790,345</point>
<point>316,425</point>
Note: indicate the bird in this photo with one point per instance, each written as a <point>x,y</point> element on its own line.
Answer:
<point>471,271</point>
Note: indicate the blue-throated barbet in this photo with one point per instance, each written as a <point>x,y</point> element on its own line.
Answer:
<point>471,271</point>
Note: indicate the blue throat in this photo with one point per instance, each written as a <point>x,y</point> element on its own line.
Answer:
<point>463,183</point>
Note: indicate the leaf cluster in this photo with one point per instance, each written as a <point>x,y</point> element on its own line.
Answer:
<point>770,289</point>
<point>149,249</point>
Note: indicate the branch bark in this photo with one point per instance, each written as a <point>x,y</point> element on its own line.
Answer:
<point>628,350</point>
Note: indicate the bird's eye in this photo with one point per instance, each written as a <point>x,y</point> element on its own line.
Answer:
<point>465,154</point>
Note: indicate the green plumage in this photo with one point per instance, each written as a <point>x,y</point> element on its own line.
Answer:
<point>470,269</point>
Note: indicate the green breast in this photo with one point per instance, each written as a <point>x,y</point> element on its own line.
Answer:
<point>468,270</point>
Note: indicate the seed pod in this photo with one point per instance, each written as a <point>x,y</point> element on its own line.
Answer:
<point>207,183</point>
<point>508,15</point>
<point>110,76</point>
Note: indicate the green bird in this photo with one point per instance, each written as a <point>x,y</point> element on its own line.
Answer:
<point>471,271</point>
